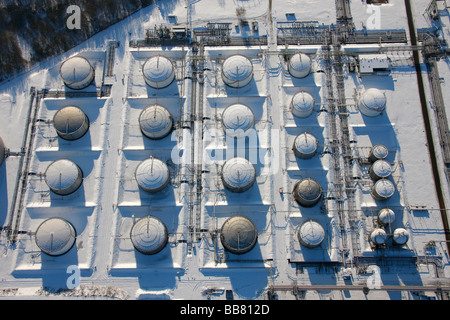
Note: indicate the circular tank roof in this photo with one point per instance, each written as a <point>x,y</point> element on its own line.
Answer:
<point>75,70</point>
<point>237,71</point>
<point>159,71</point>
<point>379,151</point>
<point>238,235</point>
<point>381,169</point>
<point>305,145</point>
<point>237,117</point>
<point>70,122</point>
<point>307,192</point>
<point>302,102</point>
<point>152,175</point>
<point>149,235</point>
<point>238,174</point>
<point>299,65</point>
<point>55,236</point>
<point>400,236</point>
<point>2,151</point>
<point>386,216</point>
<point>374,99</point>
<point>155,121</point>
<point>63,177</point>
<point>311,234</point>
<point>384,188</point>
<point>378,236</point>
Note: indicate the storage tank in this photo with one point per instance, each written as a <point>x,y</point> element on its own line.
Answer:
<point>77,73</point>
<point>158,72</point>
<point>307,192</point>
<point>378,236</point>
<point>383,189</point>
<point>237,71</point>
<point>237,119</point>
<point>311,234</point>
<point>2,151</point>
<point>299,65</point>
<point>372,102</point>
<point>305,145</point>
<point>155,122</point>
<point>400,236</point>
<point>386,216</point>
<point>380,169</point>
<point>238,235</point>
<point>378,152</point>
<point>152,175</point>
<point>70,123</point>
<point>302,104</point>
<point>63,177</point>
<point>238,174</point>
<point>55,236</point>
<point>149,235</point>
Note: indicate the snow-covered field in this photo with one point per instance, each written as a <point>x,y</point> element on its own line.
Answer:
<point>104,209</point>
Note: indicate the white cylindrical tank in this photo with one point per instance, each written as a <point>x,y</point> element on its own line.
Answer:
<point>55,236</point>
<point>311,234</point>
<point>383,189</point>
<point>77,73</point>
<point>158,72</point>
<point>372,102</point>
<point>400,236</point>
<point>386,216</point>
<point>307,192</point>
<point>2,151</point>
<point>63,177</point>
<point>380,169</point>
<point>238,235</point>
<point>378,236</point>
<point>305,145</point>
<point>70,123</point>
<point>302,104</point>
<point>237,71</point>
<point>237,119</point>
<point>149,235</point>
<point>152,175</point>
<point>378,152</point>
<point>155,122</point>
<point>299,65</point>
<point>238,174</point>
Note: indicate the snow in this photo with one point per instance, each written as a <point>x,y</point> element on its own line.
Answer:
<point>104,209</point>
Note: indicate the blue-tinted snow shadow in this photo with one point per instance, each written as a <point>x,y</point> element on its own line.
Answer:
<point>3,194</point>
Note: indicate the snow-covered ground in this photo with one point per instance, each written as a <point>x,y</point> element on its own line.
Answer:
<point>104,208</point>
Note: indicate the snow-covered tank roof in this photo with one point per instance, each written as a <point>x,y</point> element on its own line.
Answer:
<point>311,234</point>
<point>237,119</point>
<point>237,71</point>
<point>378,152</point>
<point>152,175</point>
<point>386,216</point>
<point>372,102</point>
<point>305,145</point>
<point>2,151</point>
<point>155,121</point>
<point>299,65</point>
<point>400,236</point>
<point>238,234</point>
<point>76,72</point>
<point>63,177</point>
<point>238,174</point>
<point>307,192</point>
<point>70,123</point>
<point>55,236</point>
<point>380,169</point>
<point>383,189</point>
<point>302,104</point>
<point>378,236</point>
<point>149,235</point>
<point>158,72</point>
